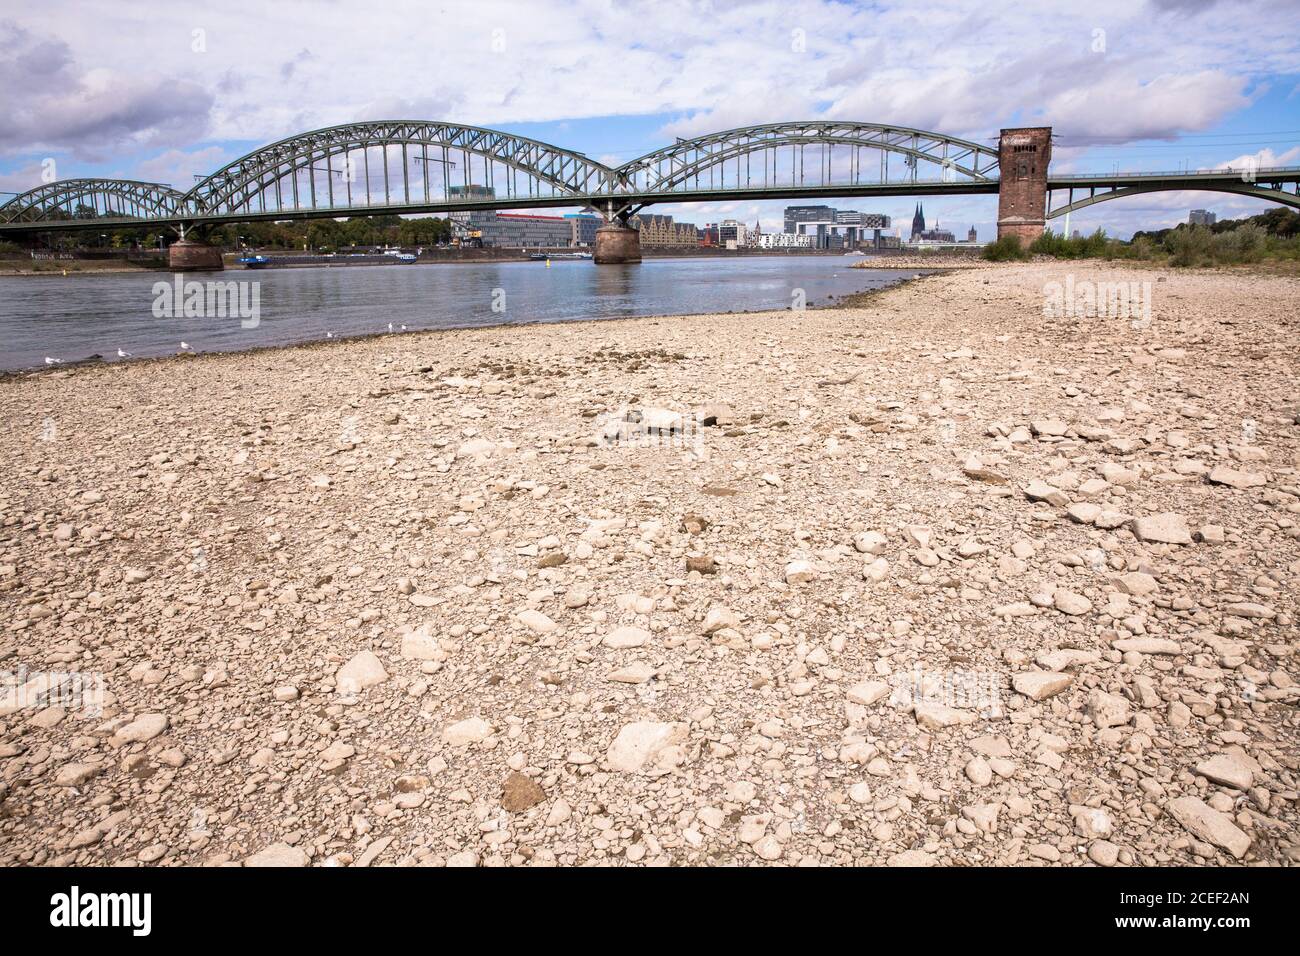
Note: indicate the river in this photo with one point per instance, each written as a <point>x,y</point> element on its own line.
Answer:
<point>70,318</point>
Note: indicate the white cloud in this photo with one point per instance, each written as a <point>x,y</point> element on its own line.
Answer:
<point>58,103</point>
<point>1264,158</point>
<point>20,180</point>
<point>179,168</point>
<point>708,64</point>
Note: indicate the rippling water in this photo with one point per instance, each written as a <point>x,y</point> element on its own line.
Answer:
<point>76,316</point>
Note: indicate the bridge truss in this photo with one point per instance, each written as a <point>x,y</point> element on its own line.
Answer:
<point>407,167</point>
<point>71,201</point>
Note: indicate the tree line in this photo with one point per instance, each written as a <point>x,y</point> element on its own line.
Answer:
<point>317,235</point>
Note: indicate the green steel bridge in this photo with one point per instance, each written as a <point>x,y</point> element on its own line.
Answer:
<point>407,167</point>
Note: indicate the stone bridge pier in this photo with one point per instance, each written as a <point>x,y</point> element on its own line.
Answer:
<point>1023,155</point>
<point>617,241</point>
<point>191,255</point>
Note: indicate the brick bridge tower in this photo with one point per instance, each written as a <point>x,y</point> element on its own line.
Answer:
<point>1023,155</point>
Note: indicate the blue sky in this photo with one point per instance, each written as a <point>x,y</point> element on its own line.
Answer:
<point>165,92</point>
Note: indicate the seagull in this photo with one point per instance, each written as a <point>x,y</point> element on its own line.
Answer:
<point>185,347</point>
<point>53,361</point>
<point>329,335</point>
<point>403,328</point>
<point>121,354</point>
<point>390,326</point>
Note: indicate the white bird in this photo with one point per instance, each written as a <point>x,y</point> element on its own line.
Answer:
<point>329,335</point>
<point>121,354</point>
<point>390,326</point>
<point>403,328</point>
<point>53,361</point>
<point>185,347</point>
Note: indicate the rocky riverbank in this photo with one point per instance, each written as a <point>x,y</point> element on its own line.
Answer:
<point>934,580</point>
<point>933,260</point>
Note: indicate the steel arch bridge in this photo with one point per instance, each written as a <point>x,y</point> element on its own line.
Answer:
<point>405,166</point>
<point>687,160</point>
<point>1267,183</point>
<point>331,169</point>
<point>409,167</point>
<point>69,201</point>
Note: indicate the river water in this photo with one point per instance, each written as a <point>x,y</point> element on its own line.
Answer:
<point>72,317</point>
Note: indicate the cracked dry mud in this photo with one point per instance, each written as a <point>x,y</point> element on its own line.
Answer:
<point>941,581</point>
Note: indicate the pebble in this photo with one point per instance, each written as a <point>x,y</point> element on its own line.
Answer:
<point>471,730</point>
<point>627,636</point>
<point>1206,823</point>
<point>278,855</point>
<point>362,671</point>
<point>644,742</point>
<point>1040,685</point>
<point>1168,527</point>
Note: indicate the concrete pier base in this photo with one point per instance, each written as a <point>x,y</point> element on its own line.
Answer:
<point>1026,230</point>
<point>616,243</point>
<point>190,256</point>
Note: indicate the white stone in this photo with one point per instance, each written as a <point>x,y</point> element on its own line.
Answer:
<point>799,572</point>
<point>642,742</point>
<point>278,855</point>
<point>935,716</point>
<point>868,692</point>
<point>1227,770</point>
<point>364,670</point>
<point>471,730</point>
<point>870,542</point>
<point>144,727</point>
<point>1206,823</point>
<point>1039,685</point>
<point>627,636</point>
<point>1165,528</point>
<point>420,645</point>
<point>536,621</point>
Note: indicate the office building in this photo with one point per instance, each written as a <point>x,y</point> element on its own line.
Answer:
<point>584,226</point>
<point>831,228</point>
<point>512,230</point>
<point>783,240</point>
<point>731,234</point>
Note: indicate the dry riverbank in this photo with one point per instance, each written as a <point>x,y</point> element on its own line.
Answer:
<point>930,580</point>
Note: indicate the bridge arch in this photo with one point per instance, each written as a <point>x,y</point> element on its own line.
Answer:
<point>686,161</point>
<point>77,200</point>
<point>1239,189</point>
<point>324,169</point>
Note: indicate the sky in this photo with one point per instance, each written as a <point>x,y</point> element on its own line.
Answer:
<point>166,92</point>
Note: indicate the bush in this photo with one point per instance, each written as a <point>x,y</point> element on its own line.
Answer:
<point>1057,245</point>
<point>1006,249</point>
<point>1141,248</point>
<point>1189,247</point>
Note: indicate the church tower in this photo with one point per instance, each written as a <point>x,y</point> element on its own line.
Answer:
<point>918,221</point>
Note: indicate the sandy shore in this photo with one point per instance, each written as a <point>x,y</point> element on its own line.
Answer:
<point>931,580</point>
